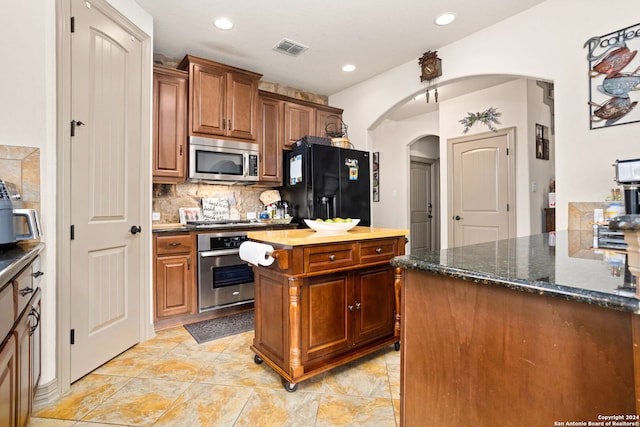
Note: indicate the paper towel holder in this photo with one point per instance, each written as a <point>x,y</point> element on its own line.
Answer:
<point>281,256</point>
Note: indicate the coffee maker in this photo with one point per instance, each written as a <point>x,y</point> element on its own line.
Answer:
<point>628,176</point>
<point>16,223</point>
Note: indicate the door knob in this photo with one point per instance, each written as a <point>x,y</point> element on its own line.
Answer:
<point>457,217</point>
<point>135,229</point>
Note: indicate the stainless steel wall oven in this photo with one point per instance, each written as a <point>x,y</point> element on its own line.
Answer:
<point>223,278</point>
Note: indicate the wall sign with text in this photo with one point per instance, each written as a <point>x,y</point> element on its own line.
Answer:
<point>614,77</point>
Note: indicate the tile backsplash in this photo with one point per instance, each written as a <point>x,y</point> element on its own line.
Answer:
<point>169,198</point>
<point>21,166</point>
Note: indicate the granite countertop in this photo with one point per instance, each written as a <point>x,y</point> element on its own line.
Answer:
<point>545,264</point>
<point>307,236</point>
<point>179,228</point>
<point>15,258</point>
<point>625,223</point>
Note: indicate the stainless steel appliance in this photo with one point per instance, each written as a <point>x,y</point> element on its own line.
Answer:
<point>217,160</point>
<point>223,278</point>
<point>628,175</point>
<point>16,223</point>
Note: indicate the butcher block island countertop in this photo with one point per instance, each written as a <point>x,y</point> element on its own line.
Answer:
<point>534,331</point>
<point>326,300</point>
<point>307,236</point>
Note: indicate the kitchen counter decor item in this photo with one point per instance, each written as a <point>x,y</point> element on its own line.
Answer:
<point>216,209</point>
<point>331,227</point>
<point>269,196</point>
<point>190,214</point>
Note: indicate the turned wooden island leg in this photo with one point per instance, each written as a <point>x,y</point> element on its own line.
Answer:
<point>295,362</point>
<point>397,283</point>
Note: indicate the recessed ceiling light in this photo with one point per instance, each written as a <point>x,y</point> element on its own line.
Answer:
<point>223,23</point>
<point>347,68</point>
<point>445,19</point>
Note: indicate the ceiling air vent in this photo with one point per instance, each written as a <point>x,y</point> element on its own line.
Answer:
<point>290,47</point>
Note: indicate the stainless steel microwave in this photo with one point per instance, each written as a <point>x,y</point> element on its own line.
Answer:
<point>224,161</point>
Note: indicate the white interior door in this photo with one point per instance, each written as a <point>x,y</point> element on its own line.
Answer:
<point>106,67</point>
<point>424,205</point>
<point>481,182</point>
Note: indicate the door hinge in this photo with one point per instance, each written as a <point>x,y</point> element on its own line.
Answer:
<point>73,336</point>
<point>73,24</point>
<point>507,151</point>
<point>73,232</point>
<point>507,207</point>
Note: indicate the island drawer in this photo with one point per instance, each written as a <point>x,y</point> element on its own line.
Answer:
<point>174,244</point>
<point>329,257</point>
<point>377,250</point>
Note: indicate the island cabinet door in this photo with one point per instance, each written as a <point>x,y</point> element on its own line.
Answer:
<point>325,319</point>
<point>373,304</point>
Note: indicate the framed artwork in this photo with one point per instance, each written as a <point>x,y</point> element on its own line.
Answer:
<point>542,142</point>
<point>375,167</point>
<point>614,78</point>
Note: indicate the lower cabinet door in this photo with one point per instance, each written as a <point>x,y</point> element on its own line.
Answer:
<point>24,369</point>
<point>374,301</point>
<point>8,380</point>
<point>174,286</point>
<point>325,316</point>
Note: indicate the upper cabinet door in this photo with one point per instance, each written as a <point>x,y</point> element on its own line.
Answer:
<point>270,140</point>
<point>208,99</point>
<point>242,97</point>
<point>169,124</point>
<point>299,121</point>
<point>328,120</point>
<point>223,100</point>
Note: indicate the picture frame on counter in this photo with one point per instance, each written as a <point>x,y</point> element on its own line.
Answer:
<point>190,214</point>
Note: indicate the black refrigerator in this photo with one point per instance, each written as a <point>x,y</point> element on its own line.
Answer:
<point>322,181</point>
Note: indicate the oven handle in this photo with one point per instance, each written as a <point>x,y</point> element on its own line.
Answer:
<point>207,254</point>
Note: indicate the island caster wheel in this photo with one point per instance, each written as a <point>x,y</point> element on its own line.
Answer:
<point>289,387</point>
<point>257,359</point>
<point>397,346</point>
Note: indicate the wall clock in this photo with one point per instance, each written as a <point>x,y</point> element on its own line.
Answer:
<point>430,66</point>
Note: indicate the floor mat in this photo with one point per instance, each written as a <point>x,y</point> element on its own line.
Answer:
<point>209,330</point>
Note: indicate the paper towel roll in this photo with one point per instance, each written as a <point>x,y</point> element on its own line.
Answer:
<point>256,253</point>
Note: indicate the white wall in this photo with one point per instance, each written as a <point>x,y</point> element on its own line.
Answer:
<point>28,118</point>
<point>546,43</point>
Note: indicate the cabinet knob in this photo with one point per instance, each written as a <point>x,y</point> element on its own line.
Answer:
<point>37,274</point>
<point>174,244</point>
<point>25,291</point>
<point>357,306</point>
<point>350,307</point>
<point>332,257</point>
<point>378,250</point>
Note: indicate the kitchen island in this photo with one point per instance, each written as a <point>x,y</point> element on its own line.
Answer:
<point>531,331</point>
<point>326,300</point>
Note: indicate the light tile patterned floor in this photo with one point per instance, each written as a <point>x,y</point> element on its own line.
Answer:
<point>171,380</point>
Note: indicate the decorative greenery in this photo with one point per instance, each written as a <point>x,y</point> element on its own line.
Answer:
<point>489,117</point>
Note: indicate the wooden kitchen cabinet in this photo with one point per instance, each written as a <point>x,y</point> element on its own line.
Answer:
<point>223,100</point>
<point>282,122</point>
<point>8,383</point>
<point>322,305</point>
<point>271,140</point>
<point>175,280</point>
<point>28,373</point>
<point>328,118</point>
<point>20,358</point>
<point>170,88</point>
<point>299,121</point>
